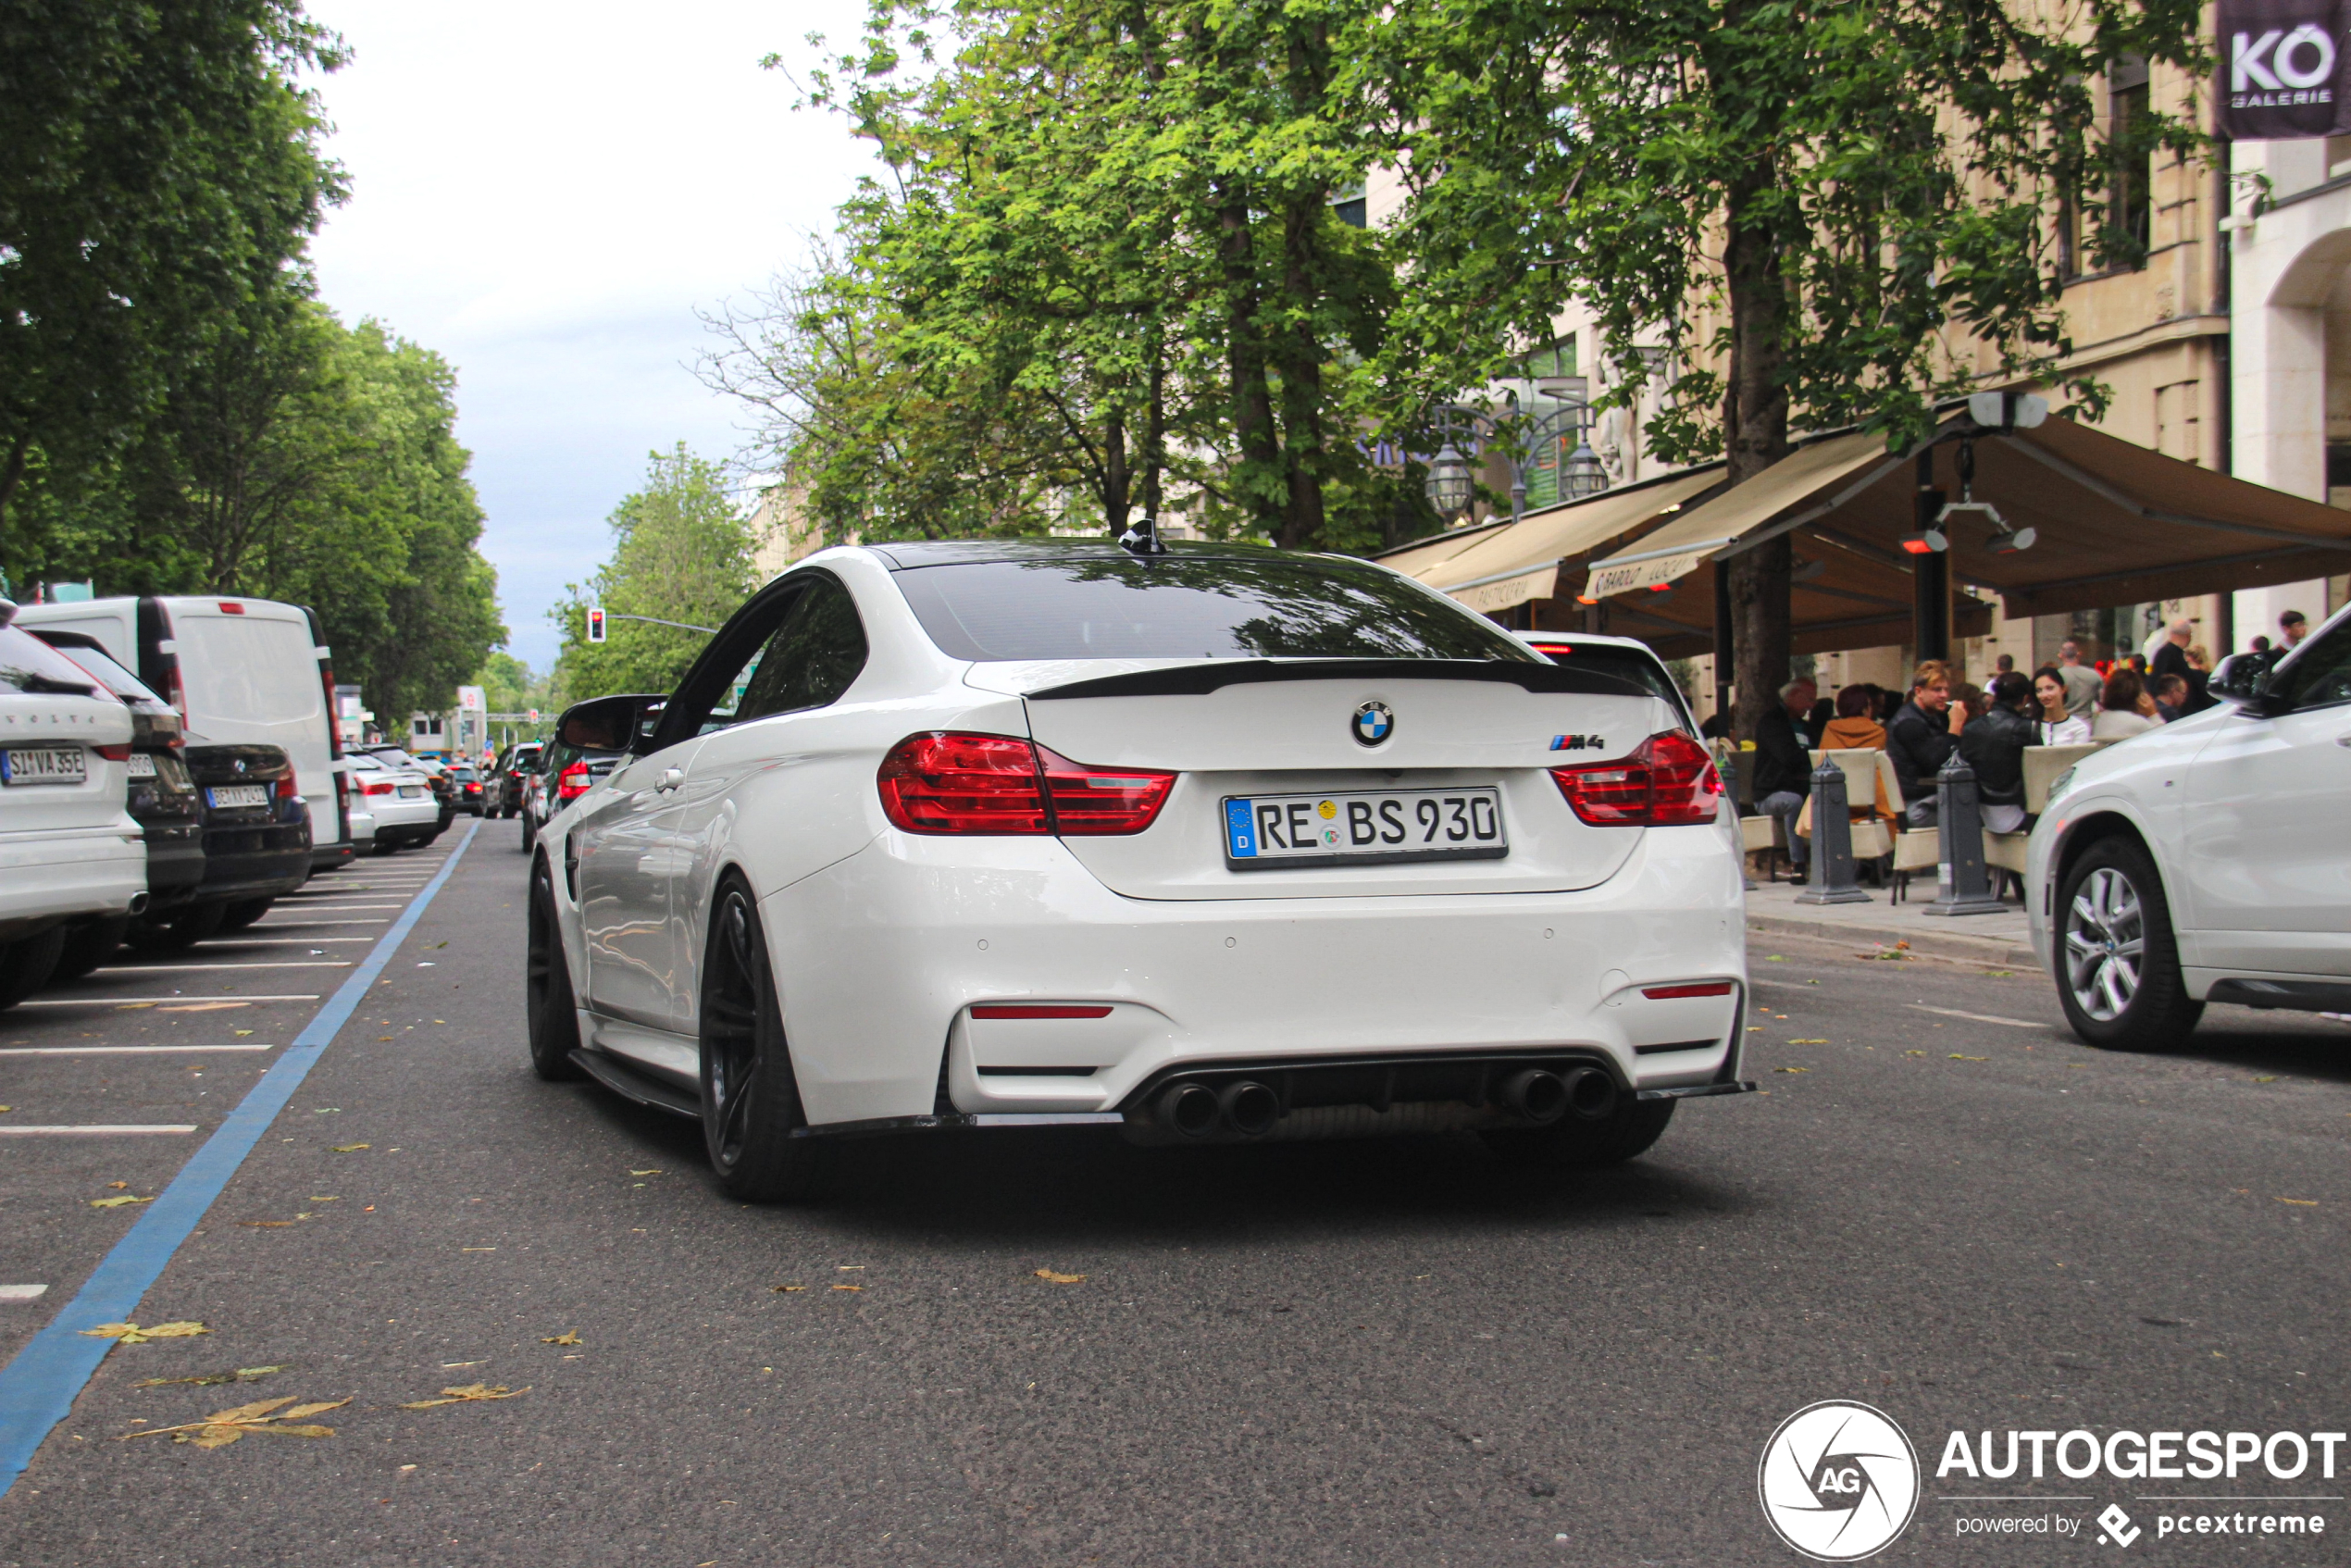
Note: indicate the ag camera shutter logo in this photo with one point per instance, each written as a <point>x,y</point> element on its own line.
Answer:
<point>1838,1481</point>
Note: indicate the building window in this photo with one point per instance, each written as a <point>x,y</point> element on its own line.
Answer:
<point>2132,195</point>
<point>1350,206</point>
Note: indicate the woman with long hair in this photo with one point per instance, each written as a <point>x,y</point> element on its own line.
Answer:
<point>2053,724</point>
<point>2124,707</point>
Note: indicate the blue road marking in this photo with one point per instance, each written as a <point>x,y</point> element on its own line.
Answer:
<point>38,1388</point>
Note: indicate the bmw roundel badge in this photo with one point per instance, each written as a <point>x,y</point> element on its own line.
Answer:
<point>1374,723</point>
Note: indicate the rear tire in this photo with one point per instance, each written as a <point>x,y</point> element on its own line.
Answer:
<point>243,912</point>
<point>88,946</point>
<point>384,845</point>
<point>181,931</point>
<point>1626,1133</point>
<point>2116,960</point>
<point>750,1099</point>
<point>530,834</point>
<point>26,966</point>
<point>549,1009</point>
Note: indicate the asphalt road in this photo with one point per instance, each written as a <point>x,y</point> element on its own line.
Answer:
<point>1343,1354</point>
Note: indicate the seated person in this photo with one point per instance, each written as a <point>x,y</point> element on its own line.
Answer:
<point>1993,746</point>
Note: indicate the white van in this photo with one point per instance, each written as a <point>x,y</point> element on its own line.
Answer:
<point>238,670</point>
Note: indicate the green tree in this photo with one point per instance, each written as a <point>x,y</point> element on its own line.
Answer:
<point>681,552</point>
<point>158,164</point>
<point>1803,198</point>
<point>511,686</point>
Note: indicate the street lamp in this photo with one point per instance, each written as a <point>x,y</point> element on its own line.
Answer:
<point>1451,486</point>
<point>1582,474</point>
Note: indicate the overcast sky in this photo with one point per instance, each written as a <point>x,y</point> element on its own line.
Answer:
<point>545,194</point>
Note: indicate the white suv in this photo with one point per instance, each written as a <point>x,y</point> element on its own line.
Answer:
<point>2208,860</point>
<point>69,846</point>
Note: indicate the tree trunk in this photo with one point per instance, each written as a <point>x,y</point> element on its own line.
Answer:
<point>1259,482</point>
<point>1301,365</point>
<point>12,476</point>
<point>1118,479</point>
<point>1755,436</point>
<point>1155,426</point>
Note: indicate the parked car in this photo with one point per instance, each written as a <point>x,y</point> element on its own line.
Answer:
<point>467,779</point>
<point>241,672</point>
<point>162,799</point>
<point>435,773</point>
<point>566,772</point>
<point>1623,657</point>
<point>401,800</point>
<point>256,844</point>
<point>1214,844</point>
<point>508,775</point>
<point>2205,860</point>
<point>70,848</point>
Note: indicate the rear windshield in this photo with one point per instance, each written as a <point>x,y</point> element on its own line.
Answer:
<point>29,665</point>
<point>120,681</point>
<point>248,670</point>
<point>1192,607</point>
<point>1627,665</point>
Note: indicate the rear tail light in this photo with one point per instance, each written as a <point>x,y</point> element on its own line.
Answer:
<point>378,787</point>
<point>1036,1010</point>
<point>113,753</point>
<point>1669,781</point>
<point>572,782</point>
<point>288,789</point>
<point>1696,988</point>
<point>946,783</point>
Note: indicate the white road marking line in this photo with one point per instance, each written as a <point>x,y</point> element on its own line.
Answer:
<point>151,1001</point>
<point>122,1050</point>
<point>272,964</point>
<point>22,1292</point>
<point>1977,1017</point>
<point>306,925</point>
<point>343,906</point>
<point>281,941</point>
<point>95,1130</point>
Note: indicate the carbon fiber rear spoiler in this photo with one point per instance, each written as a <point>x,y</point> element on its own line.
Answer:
<point>1214,675</point>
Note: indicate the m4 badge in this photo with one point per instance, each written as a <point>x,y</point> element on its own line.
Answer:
<point>1578,743</point>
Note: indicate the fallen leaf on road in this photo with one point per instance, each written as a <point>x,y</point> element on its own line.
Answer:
<point>242,1374</point>
<point>223,1427</point>
<point>780,1289</point>
<point>316,1199</point>
<point>645,1173</point>
<point>1921,1053</point>
<point>436,947</point>
<point>849,1287</point>
<point>352,1148</point>
<point>470,1393</point>
<point>240,1031</point>
<point>268,1225</point>
<point>1807,1042</point>
<point>1774,958</point>
<point>120,1185</point>
<point>1049,1277</point>
<point>2267,1080</point>
<point>201,1007</point>
<point>132,1006</point>
<point>1956,1057</point>
<point>117,1202</point>
<point>569,1336</point>
<point>2301,1203</point>
<point>132,1334</point>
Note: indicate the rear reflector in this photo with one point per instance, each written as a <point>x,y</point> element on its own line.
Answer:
<point>942,782</point>
<point>113,753</point>
<point>231,607</point>
<point>1034,1010</point>
<point>1702,988</point>
<point>1669,781</point>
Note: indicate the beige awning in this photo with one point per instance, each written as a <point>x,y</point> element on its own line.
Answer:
<point>1411,558</point>
<point>1681,547</point>
<point>1522,562</point>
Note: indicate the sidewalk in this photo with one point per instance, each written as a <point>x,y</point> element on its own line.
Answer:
<point>2003,939</point>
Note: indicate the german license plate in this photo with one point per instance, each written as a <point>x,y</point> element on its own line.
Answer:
<point>1267,833</point>
<point>142,764</point>
<point>51,764</point>
<point>226,796</point>
<point>412,791</point>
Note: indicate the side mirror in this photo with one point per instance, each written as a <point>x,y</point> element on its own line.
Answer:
<point>2240,678</point>
<point>609,724</point>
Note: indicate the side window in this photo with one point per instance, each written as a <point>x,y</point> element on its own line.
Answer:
<point>810,660</point>
<point>2321,676</point>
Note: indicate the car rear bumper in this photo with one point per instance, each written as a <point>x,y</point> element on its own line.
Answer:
<point>47,876</point>
<point>175,863</point>
<point>251,862</point>
<point>880,957</point>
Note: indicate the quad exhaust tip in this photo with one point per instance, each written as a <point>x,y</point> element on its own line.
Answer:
<point>1591,1093</point>
<point>1190,1109</point>
<point>1251,1107</point>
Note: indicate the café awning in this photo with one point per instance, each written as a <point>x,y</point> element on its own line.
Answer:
<point>2115,523</point>
<point>1521,561</point>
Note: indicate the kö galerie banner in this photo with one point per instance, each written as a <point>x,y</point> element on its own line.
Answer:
<point>2282,68</point>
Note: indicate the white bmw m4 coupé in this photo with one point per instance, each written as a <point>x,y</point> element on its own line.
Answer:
<point>1209,843</point>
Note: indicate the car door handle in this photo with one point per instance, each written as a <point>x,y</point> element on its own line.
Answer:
<point>670,779</point>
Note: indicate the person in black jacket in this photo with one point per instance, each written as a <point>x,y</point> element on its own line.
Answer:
<point>1783,767</point>
<point>1921,736</point>
<point>1993,746</point>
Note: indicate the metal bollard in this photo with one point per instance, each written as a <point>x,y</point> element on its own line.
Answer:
<point>1832,875</point>
<point>1961,886</point>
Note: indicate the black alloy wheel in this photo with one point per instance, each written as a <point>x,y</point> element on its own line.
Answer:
<point>1574,1144</point>
<point>549,1012</point>
<point>749,1100</point>
<point>2117,959</point>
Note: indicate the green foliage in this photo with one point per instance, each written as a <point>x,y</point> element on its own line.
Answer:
<point>158,165</point>
<point>681,552</point>
<point>509,686</point>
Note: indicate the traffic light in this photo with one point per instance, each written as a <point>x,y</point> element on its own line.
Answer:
<point>595,623</point>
